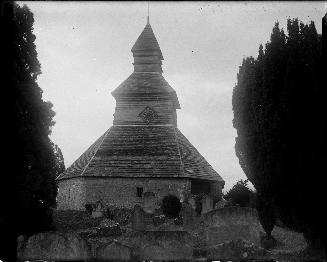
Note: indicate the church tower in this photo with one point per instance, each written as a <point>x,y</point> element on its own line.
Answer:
<point>145,98</point>
<point>144,151</point>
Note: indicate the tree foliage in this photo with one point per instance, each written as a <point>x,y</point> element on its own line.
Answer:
<point>240,194</point>
<point>278,109</point>
<point>37,160</point>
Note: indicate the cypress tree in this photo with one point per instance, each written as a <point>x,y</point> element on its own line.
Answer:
<point>281,128</point>
<point>36,160</point>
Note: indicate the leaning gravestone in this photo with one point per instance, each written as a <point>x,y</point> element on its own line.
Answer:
<point>138,223</point>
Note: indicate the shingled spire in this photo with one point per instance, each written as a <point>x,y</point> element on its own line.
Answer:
<point>146,52</point>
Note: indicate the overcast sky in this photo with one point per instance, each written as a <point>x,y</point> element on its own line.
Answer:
<point>84,51</point>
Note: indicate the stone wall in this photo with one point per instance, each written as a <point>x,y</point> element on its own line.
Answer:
<point>71,194</point>
<point>75,193</point>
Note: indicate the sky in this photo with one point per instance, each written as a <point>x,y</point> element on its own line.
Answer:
<point>85,52</point>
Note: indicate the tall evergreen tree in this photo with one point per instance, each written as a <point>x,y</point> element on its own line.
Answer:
<point>281,127</point>
<point>37,161</point>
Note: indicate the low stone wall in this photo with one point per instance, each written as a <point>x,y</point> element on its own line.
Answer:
<point>136,246</point>
<point>232,223</point>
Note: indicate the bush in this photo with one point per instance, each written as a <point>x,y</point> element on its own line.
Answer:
<point>89,208</point>
<point>108,214</point>
<point>178,221</point>
<point>240,194</point>
<point>158,220</point>
<point>171,206</point>
<point>119,214</point>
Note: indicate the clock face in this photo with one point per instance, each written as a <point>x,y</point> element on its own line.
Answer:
<point>148,115</point>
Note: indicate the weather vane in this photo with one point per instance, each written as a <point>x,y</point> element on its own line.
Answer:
<point>148,12</point>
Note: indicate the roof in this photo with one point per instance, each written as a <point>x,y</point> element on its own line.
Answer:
<point>147,41</point>
<point>142,151</point>
<point>146,83</point>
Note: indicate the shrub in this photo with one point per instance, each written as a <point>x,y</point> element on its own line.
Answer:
<point>240,194</point>
<point>171,206</point>
<point>119,214</point>
<point>122,215</point>
<point>178,221</point>
<point>158,220</point>
<point>108,214</point>
<point>89,208</point>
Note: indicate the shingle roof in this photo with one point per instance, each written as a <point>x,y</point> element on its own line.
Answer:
<point>146,83</point>
<point>142,151</point>
<point>147,41</point>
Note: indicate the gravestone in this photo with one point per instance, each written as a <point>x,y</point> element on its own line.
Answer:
<point>148,219</point>
<point>98,212</point>
<point>207,204</point>
<point>188,214</point>
<point>114,252</point>
<point>221,234</point>
<point>191,201</point>
<point>149,202</point>
<point>138,223</point>
<point>162,245</point>
<point>232,223</point>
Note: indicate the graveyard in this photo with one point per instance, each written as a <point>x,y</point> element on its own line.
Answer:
<point>144,233</point>
<point>142,191</point>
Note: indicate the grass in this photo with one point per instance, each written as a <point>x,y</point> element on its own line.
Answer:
<point>292,246</point>
<point>288,241</point>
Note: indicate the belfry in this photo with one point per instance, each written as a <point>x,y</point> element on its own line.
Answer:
<point>144,151</point>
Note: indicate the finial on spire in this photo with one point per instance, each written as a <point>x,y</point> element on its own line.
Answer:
<point>148,18</point>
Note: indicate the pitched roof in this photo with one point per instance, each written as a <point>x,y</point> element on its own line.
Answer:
<point>146,83</point>
<point>142,151</point>
<point>147,41</point>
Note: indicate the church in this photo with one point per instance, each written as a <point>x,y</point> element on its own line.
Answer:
<point>143,151</point>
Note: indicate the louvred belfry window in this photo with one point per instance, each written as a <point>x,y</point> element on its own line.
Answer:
<point>139,191</point>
